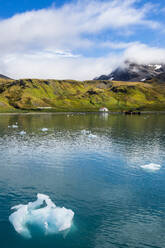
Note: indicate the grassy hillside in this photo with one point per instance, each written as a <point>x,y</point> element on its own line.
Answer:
<point>69,95</point>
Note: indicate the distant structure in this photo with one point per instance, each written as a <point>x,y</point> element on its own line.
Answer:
<point>103,109</point>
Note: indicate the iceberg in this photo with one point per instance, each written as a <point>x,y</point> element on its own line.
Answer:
<point>88,133</point>
<point>92,136</point>
<point>42,215</point>
<point>14,126</point>
<point>44,129</point>
<point>85,132</point>
<point>22,133</point>
<point>151,167</point>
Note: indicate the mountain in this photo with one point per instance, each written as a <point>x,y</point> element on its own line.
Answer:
<point>132,72</point>
<point>69,95</point>
<point>4,77</point>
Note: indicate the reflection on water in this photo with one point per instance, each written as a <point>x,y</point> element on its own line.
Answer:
<point>92,164</point>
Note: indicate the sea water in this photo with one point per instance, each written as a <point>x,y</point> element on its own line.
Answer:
<point>107,169</point>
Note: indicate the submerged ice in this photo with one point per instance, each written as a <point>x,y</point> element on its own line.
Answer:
<point>42,215</point>
<point>151,167</point>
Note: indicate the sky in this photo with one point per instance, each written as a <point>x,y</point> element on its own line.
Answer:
<point>78,39</point>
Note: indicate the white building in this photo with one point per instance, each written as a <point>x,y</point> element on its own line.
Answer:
<point>103,109</point>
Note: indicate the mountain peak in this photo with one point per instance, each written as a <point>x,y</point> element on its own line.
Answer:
<point>133,72</point>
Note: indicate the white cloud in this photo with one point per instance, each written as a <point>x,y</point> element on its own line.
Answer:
<point>51,65</point>
<point>64,27</point>
<point>42,66</point>
<point>142,53</point>
<point>48,53</point>
<point>118,45</point>
<point>44,43</point>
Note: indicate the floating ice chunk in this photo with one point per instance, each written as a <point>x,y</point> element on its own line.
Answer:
<point>48,219</point>
<point>22,133</point>
<point>151,167</point>
<point>88,133</point>
<point>92,136</point>
<point>14,126</point>
<point>85,132</point>
<point>44,129</point>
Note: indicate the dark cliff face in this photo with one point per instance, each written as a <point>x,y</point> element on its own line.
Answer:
<point>4,77</point>
<point>132,72</point>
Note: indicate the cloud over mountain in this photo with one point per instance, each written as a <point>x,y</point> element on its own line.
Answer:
<point>69,41</point>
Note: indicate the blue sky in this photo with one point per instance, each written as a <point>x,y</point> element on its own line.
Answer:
<point>79,39</point>
<point>9,8</point>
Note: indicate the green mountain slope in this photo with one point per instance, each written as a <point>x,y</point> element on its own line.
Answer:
<point>69,95</point>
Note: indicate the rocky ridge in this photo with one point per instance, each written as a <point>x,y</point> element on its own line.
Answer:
<point>133,72</point>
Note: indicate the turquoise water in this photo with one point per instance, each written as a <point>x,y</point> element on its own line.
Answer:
<point>92,165</point>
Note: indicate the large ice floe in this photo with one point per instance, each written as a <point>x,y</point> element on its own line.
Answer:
<point>151,167</point>
<point>41,215</point>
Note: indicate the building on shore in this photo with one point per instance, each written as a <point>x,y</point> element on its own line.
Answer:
<point>103,109</point>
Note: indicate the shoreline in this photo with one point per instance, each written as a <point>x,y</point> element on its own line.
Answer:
<point>78,113</point>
